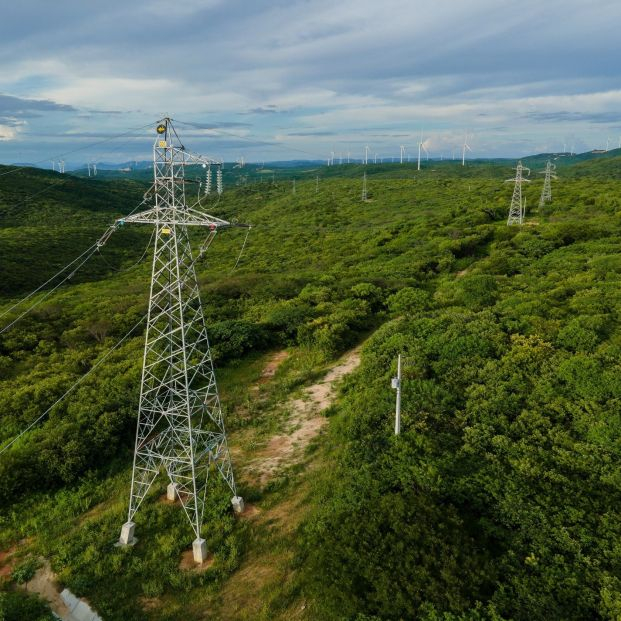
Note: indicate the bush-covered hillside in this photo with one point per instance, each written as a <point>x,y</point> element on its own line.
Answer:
<point>500,500</point>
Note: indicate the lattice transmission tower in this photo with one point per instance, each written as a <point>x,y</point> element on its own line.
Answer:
<point>546,192</point>
<point>180,426</point>
<point>517,210</point>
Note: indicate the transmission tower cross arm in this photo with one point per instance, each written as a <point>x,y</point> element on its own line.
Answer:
<point>179,217</point>
<point>187,158</point>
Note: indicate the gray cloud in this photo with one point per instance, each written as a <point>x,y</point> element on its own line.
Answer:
<point>311,133</point>
<point>606,118</point>
<point>19,107</point>
<point>331,72</point>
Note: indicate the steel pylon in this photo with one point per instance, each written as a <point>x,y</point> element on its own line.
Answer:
<point>546,192</point>
<point>180,427</point>
<point>517,209</point>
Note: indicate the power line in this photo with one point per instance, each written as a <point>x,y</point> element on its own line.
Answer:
<point>90,251</point>
<point>8,310</point>
<point>71,389</point>
<point>256,141</point>
<point>76,150</point>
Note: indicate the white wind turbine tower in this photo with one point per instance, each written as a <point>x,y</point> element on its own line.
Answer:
<point>402,152</point>
<point>421,146</point>
<point>465,147</point>
<point>366,154</point>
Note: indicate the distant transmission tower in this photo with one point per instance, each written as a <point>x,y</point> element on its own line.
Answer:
<point>219,185</point>
<point>517,209</point>
<point>180,427</point>
<point>207,179</point>
<point>364,187</point>
<point>546,192</point>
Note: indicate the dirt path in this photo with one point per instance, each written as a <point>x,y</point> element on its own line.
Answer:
<point>249,590</point>
<point>303,424</point>
<point>44,584</point>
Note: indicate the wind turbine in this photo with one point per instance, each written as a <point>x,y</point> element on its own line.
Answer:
<point>465,147</point>
<point>421,145</point>
<point>366,154</point>
<point>402,152</point>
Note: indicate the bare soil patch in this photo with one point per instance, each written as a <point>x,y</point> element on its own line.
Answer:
<point>45,585</point>
<point>188,564</point>
<point>304,423</point>
<point>272,365</point>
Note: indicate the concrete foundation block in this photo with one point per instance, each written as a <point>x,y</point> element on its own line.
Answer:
<point>127,537</point>
<point>199,550</point>
<point>238,504</point>
<point>71,601</point>
<point>171,492</point>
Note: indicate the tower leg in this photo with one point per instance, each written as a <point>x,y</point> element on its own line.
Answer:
<point>127,537</point>
<point>199,550</point>
<point>171,492</point>
<point>238,504</point>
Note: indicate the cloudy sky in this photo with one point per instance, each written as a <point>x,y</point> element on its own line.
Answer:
<point>285,79</point>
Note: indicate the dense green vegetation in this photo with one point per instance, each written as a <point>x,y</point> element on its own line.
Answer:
<point>500,500</point>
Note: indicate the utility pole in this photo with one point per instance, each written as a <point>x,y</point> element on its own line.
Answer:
<point>517,210</point>
<point>364,187</point>
<point>396,384</point>
<point>546,192</point>
<point>180,425</point>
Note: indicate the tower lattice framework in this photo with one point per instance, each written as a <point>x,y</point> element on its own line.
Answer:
<point>517,209</point>
<point>180,426</point>
<point>546,192</point>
